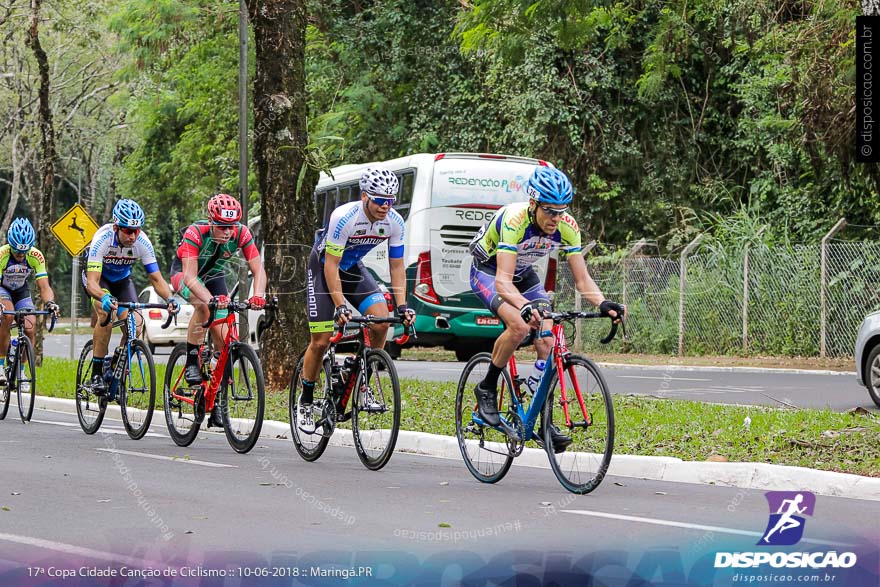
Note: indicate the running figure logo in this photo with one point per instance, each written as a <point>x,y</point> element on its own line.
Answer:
<point>786,525</point>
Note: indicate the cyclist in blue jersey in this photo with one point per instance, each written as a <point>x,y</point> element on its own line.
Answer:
<point>114,249</point>
<point>336,274</point>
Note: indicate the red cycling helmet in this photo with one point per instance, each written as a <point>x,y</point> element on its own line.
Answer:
<point>224,209</point>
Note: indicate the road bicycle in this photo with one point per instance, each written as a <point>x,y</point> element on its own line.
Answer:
<point>587,415</point>
<point>231,376</point>
<point>21,377</point>
<point>371,378</point>
<point>130,376</point>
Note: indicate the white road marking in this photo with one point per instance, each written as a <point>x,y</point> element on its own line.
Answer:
<point>663,378</point>
<point>107,429</point>
<point>164,458</point>
<point>74,550</point>
<point>687,526</point>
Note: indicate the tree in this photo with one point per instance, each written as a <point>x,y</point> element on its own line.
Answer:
<point>286,183</point>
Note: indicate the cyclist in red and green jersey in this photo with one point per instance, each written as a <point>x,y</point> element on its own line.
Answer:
<point>198,274</point>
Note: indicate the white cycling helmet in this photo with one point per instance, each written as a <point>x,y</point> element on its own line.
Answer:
<point>379,181</point>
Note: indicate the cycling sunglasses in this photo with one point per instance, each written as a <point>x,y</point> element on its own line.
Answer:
<point>129,231</point>
<point>381,200</point>
<point>553,212</point>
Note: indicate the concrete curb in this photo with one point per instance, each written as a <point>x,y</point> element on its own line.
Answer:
<point>758,476</point>
<point>708,368</point>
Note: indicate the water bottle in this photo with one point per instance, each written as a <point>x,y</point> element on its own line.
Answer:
<point>535,378</point>
<point>215,357</point>
<point>110,364</point>
<point>13,348</point>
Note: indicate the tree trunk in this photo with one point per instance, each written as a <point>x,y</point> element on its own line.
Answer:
<point>43,203</point>
<point>280,139</point>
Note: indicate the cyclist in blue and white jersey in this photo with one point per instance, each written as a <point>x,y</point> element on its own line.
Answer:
<point>336,274</point>
<point>114,249</point>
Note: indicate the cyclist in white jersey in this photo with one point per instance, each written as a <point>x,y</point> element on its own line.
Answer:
<point>336,274</point>
<point>114,250</point>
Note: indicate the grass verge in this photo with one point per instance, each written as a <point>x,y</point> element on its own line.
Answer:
<point>693,431</point>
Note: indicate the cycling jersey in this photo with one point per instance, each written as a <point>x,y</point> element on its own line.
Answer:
<point>113,260</point>
<point>198,243</point>
<point>511,231</point>
<point>351,235</point>
<point>16,273</point>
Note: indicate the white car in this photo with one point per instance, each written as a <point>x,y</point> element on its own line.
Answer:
<point>867,355</point>
<point>153,319</point>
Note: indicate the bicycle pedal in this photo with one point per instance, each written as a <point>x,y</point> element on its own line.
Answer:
<point>581,424</point>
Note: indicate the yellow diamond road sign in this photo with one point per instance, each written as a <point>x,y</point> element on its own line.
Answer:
<point>75,229</point>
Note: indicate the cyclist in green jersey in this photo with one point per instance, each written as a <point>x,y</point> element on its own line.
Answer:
<point>503,278</point>
<point>19,259</point>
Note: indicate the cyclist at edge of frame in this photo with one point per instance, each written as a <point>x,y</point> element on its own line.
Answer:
<point>337,275</point>
<point>114,250</point>
<point>19,259</point>
<point>502,276</point>
<point>198,276</point>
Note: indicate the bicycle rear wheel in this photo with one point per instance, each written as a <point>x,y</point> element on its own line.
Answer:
<point>243,398</point>
<point>483,448</point>
<point>375,419</point>
<point>25,379</point>
<point>182,417</point>
<point>583,465</point>
<point>311,446</point>
<point>138,394</point>
<point>90,408</point>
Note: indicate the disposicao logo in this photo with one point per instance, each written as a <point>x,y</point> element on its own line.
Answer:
<point>786,528</point>
<point>786,524</point>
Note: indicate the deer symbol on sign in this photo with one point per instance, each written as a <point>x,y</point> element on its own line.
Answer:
<point>75,227</point>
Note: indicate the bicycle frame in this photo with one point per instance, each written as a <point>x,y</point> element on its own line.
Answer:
<point>212,386</point>
<point>555,364</point>
<point>364,346</point>
<point>130,335</point>
<point>18,323</point>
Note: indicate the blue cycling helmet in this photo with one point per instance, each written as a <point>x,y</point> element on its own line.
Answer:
<point>21,235</point>
<point>128,214</point>
<point>548,185</point>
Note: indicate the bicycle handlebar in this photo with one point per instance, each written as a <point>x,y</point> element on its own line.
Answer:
<point>271,306</point>
<point>29,312</point>
<point>408,331</point>
<point>139,306</point>
<point>559,317</point>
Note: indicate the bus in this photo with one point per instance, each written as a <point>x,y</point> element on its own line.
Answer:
<point>445,198</point>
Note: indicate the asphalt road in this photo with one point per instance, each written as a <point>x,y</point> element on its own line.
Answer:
<point>838,392</point>
<point>69,500</point>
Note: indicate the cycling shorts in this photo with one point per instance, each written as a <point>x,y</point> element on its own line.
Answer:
<point>20,298</point>
<point>358,287</point>
<point>216,285</point>
<point>527,283</point>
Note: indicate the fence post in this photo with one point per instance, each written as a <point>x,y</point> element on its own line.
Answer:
<point>578,330</point>
<point>823,286</point>
<point>635,249</point>
<point>682,281</point>
<point>745,308</point>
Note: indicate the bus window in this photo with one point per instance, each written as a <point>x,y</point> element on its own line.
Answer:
<point>404,197</point>
<point>328,197</point>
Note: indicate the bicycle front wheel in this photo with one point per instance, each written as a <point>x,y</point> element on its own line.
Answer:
<point>138,394</point>
<point>243,398</point>
<point>581,466</point>
<point>483,448</point>
<point>375,419</point>
<point>311,446</point>
<point>90,408</point>
<point>4,394</point>
<point>184,405</point>
<point>25,379</point>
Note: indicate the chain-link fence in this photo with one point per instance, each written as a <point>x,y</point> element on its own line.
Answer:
<point>760,300</point>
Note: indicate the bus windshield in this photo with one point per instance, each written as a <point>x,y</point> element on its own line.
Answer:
<point>493,182</point>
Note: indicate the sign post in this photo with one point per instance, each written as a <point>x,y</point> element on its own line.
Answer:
<point>74,230</point>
